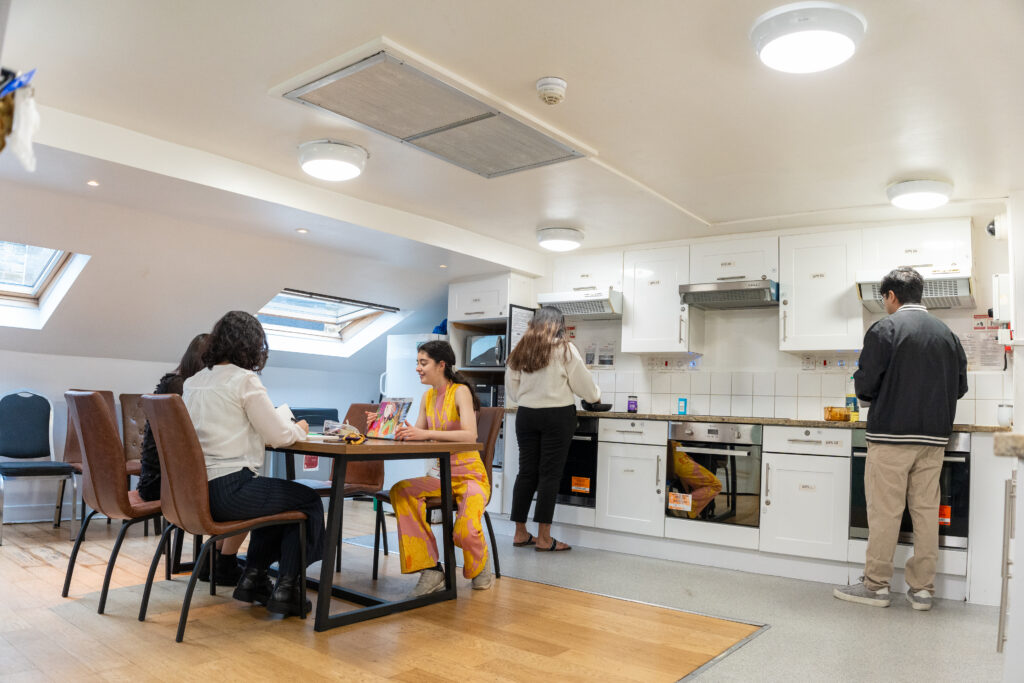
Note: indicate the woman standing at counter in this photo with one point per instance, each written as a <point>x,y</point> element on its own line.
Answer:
<point>543,375</point>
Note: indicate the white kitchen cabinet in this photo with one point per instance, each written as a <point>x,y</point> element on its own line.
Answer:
<point>510,466</point>
<point>818,304</point>
<point>749,258</point>
<point>582,272</point>
<point>805,505</point>
<point>494,505</point>
<point>631,488</point>
<point>653,319</point>
<point>488,298</point>
<point>933,244</point>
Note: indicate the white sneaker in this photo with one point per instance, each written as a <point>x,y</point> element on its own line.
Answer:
<point>483,580</point>
<point>919,600</point>
<point>431,581</point>
<point>863,595</point>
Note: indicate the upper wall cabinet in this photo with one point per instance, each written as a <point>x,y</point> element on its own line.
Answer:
<point>935,244</point>
<point>653,319</point>
<point>580,272</point>
<point>818,304</point>
<point>750,258</point>
<point>488,299</point>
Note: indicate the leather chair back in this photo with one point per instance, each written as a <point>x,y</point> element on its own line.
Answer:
<point>133,425</point>
<point>72,448</point>
<point>25,421</point>
<point>184,488</point>
<point>488,424</point>
<point>105,481</point>
<point>369,474</point>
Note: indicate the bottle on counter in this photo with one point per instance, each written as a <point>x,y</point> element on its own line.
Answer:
<point>851,404</point>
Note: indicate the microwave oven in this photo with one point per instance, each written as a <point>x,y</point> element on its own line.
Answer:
<point>490,395</point>
<point>485,351</point>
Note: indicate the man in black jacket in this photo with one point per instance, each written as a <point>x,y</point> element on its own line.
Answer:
<point>912,371</point>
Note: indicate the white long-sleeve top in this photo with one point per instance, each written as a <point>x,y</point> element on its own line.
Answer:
<point>555,385</point>
<point>235,419</point>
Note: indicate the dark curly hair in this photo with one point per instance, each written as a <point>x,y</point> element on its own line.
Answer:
<point>239,339</point>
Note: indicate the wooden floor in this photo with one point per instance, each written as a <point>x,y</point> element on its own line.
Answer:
<point>517,631</point>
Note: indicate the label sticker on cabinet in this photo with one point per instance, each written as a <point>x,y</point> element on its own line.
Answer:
<point>581,484</point>
<point>945,514</point>
<point>310,463</point>
<point>680,501</point>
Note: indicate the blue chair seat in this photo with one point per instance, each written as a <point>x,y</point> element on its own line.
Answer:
<point>35,469</point>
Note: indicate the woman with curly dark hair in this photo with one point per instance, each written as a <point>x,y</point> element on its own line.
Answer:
<point>235,421</point>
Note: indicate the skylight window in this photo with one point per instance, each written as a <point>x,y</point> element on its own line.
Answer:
<point>33,281</point>
<point>25,270</point>
<point>322,324</point>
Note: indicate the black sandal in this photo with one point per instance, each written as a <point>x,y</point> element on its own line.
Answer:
<point>522,544</point>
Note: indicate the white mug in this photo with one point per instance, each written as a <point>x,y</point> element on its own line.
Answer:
<point>1004,416</point>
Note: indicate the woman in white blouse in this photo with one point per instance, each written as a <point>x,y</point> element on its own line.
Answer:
<point>544,374</point>
<point>235,421</point>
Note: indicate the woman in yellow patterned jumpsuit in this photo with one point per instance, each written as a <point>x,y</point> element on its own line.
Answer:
<point>447,413</point>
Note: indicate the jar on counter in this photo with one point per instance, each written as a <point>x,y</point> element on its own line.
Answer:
<point>631,404</point>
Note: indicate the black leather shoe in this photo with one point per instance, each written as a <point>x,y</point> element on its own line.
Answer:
<point>226,573</point>
<point>285,598</point>
<point>254,586</point>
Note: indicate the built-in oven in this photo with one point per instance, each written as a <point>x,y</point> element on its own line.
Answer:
<point>714,472</point>
<point>954,493</point>
<point>579,478</point>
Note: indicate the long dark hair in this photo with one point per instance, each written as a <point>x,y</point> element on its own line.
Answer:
<point>441,352</point>
<point>192,361</point>
<point>545,333</point>
<point>239,339</point>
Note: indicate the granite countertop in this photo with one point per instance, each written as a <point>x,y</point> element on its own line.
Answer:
<point>761,421</point>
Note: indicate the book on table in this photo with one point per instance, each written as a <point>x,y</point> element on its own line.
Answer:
<point>391,413</point>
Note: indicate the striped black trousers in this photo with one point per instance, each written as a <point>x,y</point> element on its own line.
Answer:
<point>243,495</point>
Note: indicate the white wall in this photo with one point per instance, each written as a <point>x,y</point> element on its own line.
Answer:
<point>52,375</point>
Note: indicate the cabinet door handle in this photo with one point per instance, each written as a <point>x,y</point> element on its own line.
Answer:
<point>732,277</point>
<point>657,474</point>
<point>919,265</point>
<point>784,326</point>
<point>817,441</point>
<point>473,313</point>
<point>680,329</point>
<point>767,480</point>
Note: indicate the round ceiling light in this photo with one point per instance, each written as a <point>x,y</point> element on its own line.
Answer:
<point>330,160</point>
<point>919,194</point>
<point>559,239</point>
<point>805,37</point>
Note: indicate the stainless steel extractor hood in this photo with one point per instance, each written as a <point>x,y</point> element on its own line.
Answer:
<point>594,304</point>
<point>943,288</point>
<point>713,296</point>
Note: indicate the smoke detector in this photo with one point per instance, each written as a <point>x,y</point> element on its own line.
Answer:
<point>551,89</point>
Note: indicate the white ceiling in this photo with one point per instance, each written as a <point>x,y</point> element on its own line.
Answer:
<point>693,135</point>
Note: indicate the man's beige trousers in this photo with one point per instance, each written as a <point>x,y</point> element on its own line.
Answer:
<point>898,475</point>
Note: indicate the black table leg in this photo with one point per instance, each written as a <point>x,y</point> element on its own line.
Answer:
<point>446,523</point>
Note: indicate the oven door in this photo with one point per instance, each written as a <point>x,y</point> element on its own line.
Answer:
<point>723,482</point>
<point>579,478</point>
<point>954,501</point>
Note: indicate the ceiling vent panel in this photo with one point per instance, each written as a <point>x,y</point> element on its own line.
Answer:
<point>390,96</point>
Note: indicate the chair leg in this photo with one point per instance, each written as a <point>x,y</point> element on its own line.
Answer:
<point>183,619</point>
<point>302,570</point>
<point>110,563</point>
<point>152,571</point>
<point>58,509</point>
<point>376,539</point>
<point>383,527</point>
<point>1,510</point>
<point>213,569</point>
<point>74,505</point>
<point>494,546</point>
<point>74,554</point>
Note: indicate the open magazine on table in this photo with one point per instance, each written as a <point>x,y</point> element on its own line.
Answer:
<point>391,413</point>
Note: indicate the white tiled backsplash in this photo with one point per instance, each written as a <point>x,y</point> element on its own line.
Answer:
<point>786,393</point>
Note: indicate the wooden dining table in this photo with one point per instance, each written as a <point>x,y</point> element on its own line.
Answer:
<point>376,449</point>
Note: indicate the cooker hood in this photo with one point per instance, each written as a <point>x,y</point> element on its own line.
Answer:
<point>590,303</point>
<point>713,296</point>
<point>943,288</point>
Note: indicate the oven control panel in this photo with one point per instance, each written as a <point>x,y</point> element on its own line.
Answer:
<point>715,432</point>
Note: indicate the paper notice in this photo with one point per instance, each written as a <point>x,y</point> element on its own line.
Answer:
<point>680,501</point>
<point>983,351</point>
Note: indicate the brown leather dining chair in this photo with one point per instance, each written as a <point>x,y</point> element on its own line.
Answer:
<point>104,481</point>
<point>185,499</point>
<point>73,449</point>
<point>488,424</point>
<point>133,428</point>
<point>361,478</point>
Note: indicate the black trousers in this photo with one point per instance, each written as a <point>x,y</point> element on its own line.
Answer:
<point>544,435</point>
<point>243,495</point>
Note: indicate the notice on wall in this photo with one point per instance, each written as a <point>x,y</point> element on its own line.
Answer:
<point>606,355</point>
<point>519,318</point>
<point>984,352</point>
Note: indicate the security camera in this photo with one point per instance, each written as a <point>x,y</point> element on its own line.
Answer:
<point>997,227</point>
<point>551,89</point>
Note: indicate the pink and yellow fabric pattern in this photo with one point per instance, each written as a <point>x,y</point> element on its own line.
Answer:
<point>416,543</point>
